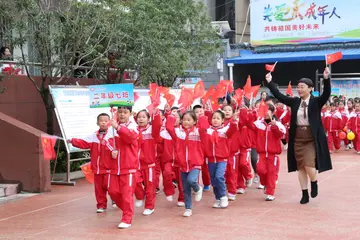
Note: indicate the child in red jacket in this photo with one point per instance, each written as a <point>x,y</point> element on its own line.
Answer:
<point>217,152</point>
<point>205,175</point>
<point>354,126</point>
<point>268,144</point>
<point>190,156</point>
<point>124,165</point>
<point>98,143</point>
<point>148,135</point>
<point>333,124</point>
<point>345,118</point>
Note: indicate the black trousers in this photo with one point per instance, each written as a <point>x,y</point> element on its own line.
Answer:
<point>254,158</point>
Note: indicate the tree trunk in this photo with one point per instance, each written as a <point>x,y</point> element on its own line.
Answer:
<point>49,107</point>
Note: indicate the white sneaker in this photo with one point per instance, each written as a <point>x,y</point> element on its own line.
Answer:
<point>256,179</point>
<point>180,204</point>
<point>231,197</point>
<point>269,198</point>
<point>249,182</point>
<point>224,202</point>
<point>216,204</point>
<point>148,212</point>
<point>277,181</point>
<point>100,210</point>
<point>358,153</point>
<point>285,146</point>
<point>169,198</point>
<point>114,204</point>
<point>347,148</point>
<point>138,203</point>
<point>187,213</point>
<point>123,225</point>
<point>260,186</point>
<point>198,195</point>
<point>240,191</point>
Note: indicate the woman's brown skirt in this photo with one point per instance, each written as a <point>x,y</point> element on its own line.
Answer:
<point>304,147</point>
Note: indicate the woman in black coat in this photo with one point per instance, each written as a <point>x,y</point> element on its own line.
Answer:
<point>308,151</point>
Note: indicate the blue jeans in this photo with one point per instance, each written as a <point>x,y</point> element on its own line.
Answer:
<point>190,181</point>
<point>217,172</point>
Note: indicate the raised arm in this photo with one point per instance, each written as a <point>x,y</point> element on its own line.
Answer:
<point>127,135</point>
<point>324,97</point>
<point>232,129</point>
<point>288,101</point>
<point>156,125</point>
<point>170,126</point>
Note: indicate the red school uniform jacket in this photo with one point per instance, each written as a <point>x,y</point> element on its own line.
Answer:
<point>247,135</point>
<point>126,140</point>
<point>217,140</point>
<point>234,141</point>
<point>344,116</point>
<point>168,146</point>
<point>333,121</point>
<point>147,143</point>
<point>99,150</point>
<point>354,122</point>
<point>268,136</point>
<point>188,145</point>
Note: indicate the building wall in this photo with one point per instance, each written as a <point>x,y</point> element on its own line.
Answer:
<point>242,20</point>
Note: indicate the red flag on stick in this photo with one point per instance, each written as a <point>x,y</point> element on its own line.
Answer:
<point>221,90</point>
<point>154,94</point>
<point>208,94</point>
<point>270,67</point>
<point>186,98</point>
<point>263,109</point>
<point>289,90</point>
<point>48,144</point>
<point>247,88</point>
<point>334,57</point>
<point>255,90</point>
<point>199,89</point>
<point>239,96</point>
<point>136,96</point>
<point>163,90</point>
<point>170,99</point>
<point>88,173</point>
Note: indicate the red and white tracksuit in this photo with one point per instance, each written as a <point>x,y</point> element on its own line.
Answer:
<point>100,160</point>
<point>268,146</point>
<point>345,118</point>
<point>188,145</point>
<point>217,148</point>
<point>333,124</point>
<point>354,126</point>
<point>205,174</point>
<point>147,158</point>
<point>122,174</point>
<point>245,144</point>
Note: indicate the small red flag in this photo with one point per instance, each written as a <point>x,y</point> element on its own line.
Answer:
<point>170,99</point>
<point>239,96</point>
<point>221,90</point>
<point>163,90</point>
<point>208,94</point>
<point>199,89</point>
<point>214,104</point>
<point>136,97</point>
<point>289,90</point>
<point>88,173</point>
<point>255,90</point>
<point>186,98</point>
<point>263,110</point>
<point>150,109</point>
<point>247,88</point>
<point>154,94</point>
<point>270,67</point>
<point>334,57</point>
<point>48,144</point>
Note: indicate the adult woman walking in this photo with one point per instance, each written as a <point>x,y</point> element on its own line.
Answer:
<point>308,151</point>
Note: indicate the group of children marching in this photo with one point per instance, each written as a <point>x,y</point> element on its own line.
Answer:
<point>129,160</point>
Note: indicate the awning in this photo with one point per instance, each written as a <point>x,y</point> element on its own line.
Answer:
<point>248,57</point>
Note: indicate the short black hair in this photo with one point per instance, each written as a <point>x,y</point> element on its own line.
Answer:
<point>102,115</point>
<point>222,114</point>
<point>197,106</point>
<point>146,113</point>
<point>125,107</point>
<point>306,81</point>
<point>228,105</point>
<point>332,104</point>
<point>174,108</point>
<point>268,98</point>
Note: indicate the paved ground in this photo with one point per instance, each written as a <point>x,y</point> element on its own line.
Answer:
<point>69,213</point>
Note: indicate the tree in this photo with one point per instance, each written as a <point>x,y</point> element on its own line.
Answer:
<point>165,38</point>
<point>66,36</point>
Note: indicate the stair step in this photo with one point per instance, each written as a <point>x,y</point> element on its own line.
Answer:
<point>8,189</point>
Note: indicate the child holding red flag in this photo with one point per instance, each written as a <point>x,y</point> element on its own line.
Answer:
<point>190,156</point>
<point>268,144</point>
<point>98,143</point>
<point>217,151</point>
<point>124,166</point>
<point>333,124</point>
<point>148,135</point>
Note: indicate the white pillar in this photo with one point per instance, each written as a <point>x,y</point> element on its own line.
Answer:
<point>231,71</point>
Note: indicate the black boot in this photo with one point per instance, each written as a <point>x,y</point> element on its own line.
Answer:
<point>305,197</point>
<point>314,189</point>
